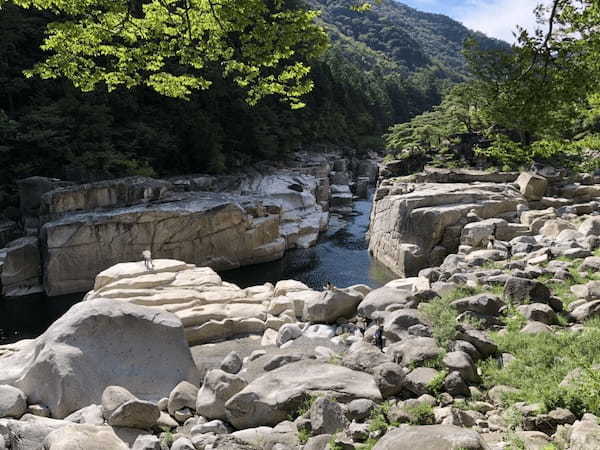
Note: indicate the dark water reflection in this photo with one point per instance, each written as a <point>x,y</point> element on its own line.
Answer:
<point>340,257</point>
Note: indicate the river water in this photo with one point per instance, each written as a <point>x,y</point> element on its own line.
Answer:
<point>340,257</point>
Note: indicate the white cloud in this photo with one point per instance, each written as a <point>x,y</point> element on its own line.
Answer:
<point>497,18</point>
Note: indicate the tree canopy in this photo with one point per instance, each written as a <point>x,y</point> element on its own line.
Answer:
<point>171,45</point>
<point>535,101</point>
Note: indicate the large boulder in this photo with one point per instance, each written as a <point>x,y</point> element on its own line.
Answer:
<point>97,344</point>
<point>431,437</point>
<point>382,298</point>
<point>410,220</point>
<point>204,229</point>
<point>532,186</point>
<point>22,270</point>
<point>271,398</point>
<point>29,432</point>
<point>218,387</point>
<point>88,437</point>
<point>331,305</point>
<point>13,402</point>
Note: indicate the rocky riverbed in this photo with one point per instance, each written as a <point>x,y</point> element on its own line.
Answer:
<point>491,345</point>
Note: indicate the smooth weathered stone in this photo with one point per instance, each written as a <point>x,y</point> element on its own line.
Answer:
<point>98,344</point>
<point>89,437</point>
<point>22,268</point>
<point>331,305</point>
<point>13,402</point>
<point>217,389</point>
<point>327,417</point>
<point>135,414</point>
<point>431,437</point>
<point>271,398</point>
<point>183,396</point>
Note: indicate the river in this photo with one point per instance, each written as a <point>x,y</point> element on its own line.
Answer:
<point>340,257</point>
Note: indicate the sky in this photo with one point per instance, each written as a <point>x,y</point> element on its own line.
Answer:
<point>495,18</point>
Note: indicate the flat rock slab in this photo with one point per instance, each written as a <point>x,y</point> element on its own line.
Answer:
<point>270,399</point>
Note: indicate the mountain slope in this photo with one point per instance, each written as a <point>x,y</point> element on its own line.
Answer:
<point>405,39</point>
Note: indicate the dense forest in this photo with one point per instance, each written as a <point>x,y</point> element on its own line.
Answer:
<point>381,67</point>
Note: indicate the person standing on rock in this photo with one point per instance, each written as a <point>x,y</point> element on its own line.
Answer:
<point>148,260</point>
<point>379,338</point>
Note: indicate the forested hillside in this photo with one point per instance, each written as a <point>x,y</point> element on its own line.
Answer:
<point>383,67</point>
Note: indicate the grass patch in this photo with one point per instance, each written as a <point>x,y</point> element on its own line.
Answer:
<point>303,435</point>
<point>443,316</point>
<point>421,414</point>
<point>379,418</point>
<point>542,361</point>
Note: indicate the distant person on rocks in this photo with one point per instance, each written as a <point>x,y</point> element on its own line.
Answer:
<point>148,260</point>
<point>329,286</point>
<point>379,339</point>
<point>492,239</point>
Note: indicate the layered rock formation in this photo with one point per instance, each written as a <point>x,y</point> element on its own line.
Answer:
<point>212,310</point>
<point>222,222</point>
<point>418,220</point>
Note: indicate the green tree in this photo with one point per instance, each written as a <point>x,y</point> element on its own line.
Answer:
<point>170,45</point>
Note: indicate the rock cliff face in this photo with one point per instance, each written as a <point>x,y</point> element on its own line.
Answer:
<point>208,229</point>
<point>418,220</point>
<point>222,222</point>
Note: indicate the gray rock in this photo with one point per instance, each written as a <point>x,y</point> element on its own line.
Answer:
<point>90,415</point>
<point>536,327</point>
<point>484,345</point>
<point>419,379</point>
<point>331,305</point>
<point>456,385</point>
<point>521,290</point>
<point>462,363</point>
<point>217,389</point>
<point>183,443</point>
<point>360,409</point>
<point>364,357</point>
<point>586,311</point>
<point>538,312</point>
<point>13,402</point>
<point>136,413</point>
<point>533,186</point>
<point>281,360</point>
<point>183,396</point>
<point>380,299</point>
<point>90,437</point>
<point>97,344</point>
<point>112,398</point>
<point>591,263</point>
<point>214,426</point>
<point>485,304</point>
<point>271,398</point>
<point>431,437</point>
<point>397,323</point>
<point>389,378</point>
<point>232,363</point>
<point>327,417</point>
<point>590,227</point>
<point>288,332</point>
<point>415,350</point>
<point>146,442</point>
<point>29,432</point>
<point>22,269</point>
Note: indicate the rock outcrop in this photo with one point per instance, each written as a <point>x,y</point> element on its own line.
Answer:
<point>222,222</point>
<point>97,344</point>
<point>414,226</point>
